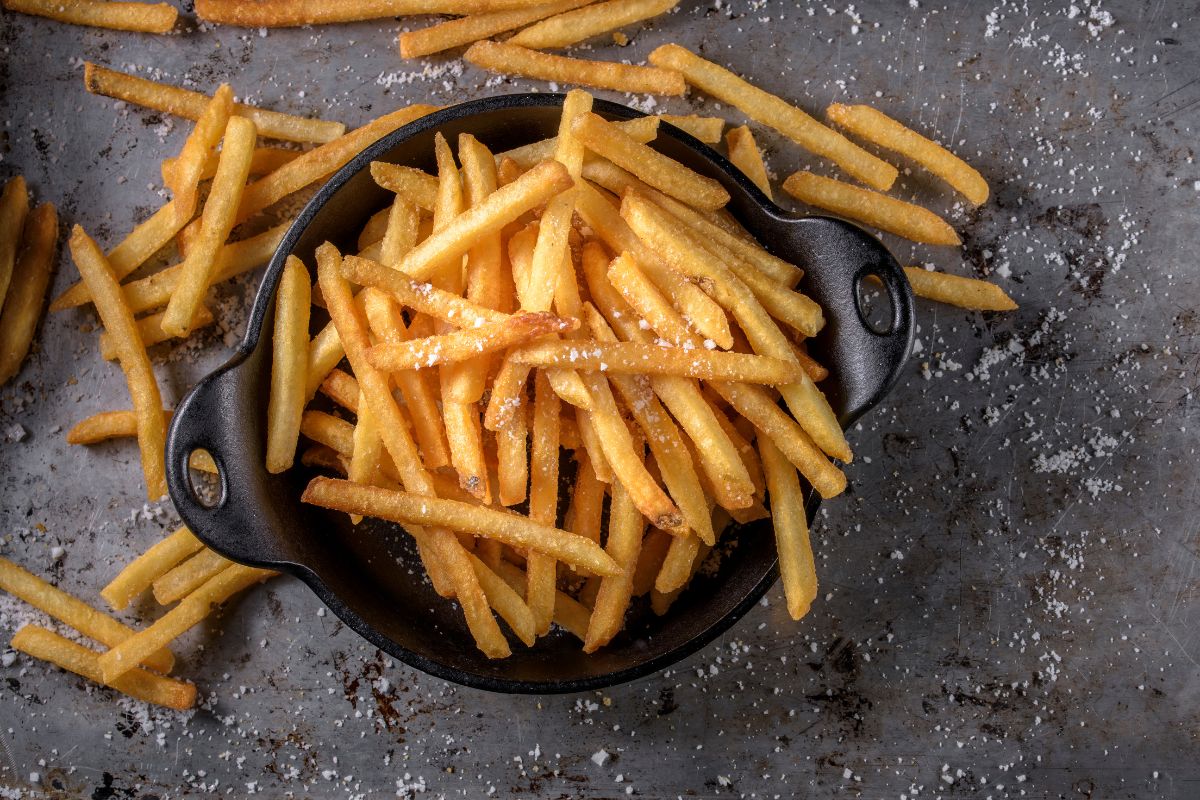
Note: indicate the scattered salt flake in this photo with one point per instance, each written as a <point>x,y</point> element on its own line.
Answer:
<point>599,757</point>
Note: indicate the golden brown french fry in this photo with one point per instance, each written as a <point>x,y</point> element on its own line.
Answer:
<point>877,127</point>
<point>403,229</point>
<point>384,316</point>
<point>69,610</point>
<point>590,440</point>
<point>660,171</point>
<point>341,387</point>
<point>512,456</point>
<point>790,521</point>
<point>14,207</point>
<point>744,154</point>
<point>366,462</point>
<point>575,26</point>
<point>700,310</point>
<point>871,208</point>
<point>811,366</point>
<point>652,359</point>
<point>650,304</point>
<point>511,59</point>
<point>152,333</point>
<point>106,425</point>
<point>49,646</point>
<point>625,527</point>
<point>543,498</point>
<point>497,210</point>
<point>126,655</point>
<point>139,574</point>
<point>185,578</point>
<point>777,113</point>
<point>706,129</point>
<point>321,457</point>
<point>294,13</point>
<point>587,501</point>
<point>650,560</point>
<point>406,508</point>
<point>466,448</point>
<point>569,614</point>
<point>216,222</point>
<point>117,16</point>
<point>324,352</point>
<point>182,178</point>
<point>190,105</point>
<point>423,297</point>
<point>677,565</point>
<point>459,345</point>
<point>416,186</point>
<point>289,359</point>
<point>328,430</point>
<point>506,601</point>
<point>22,307</point>
<point>472,28</point>
<point>958,291</point>
<point>640,129</point>
<point>118,321</point>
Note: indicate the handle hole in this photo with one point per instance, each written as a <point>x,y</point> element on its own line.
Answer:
<point>205,480</point>
<point>874,304</point>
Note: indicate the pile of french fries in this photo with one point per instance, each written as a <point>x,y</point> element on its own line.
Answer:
<point>577,304</point>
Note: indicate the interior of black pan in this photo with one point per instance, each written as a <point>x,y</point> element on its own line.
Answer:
<point>369,573</point>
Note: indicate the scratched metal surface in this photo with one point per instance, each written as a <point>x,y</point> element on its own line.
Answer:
<point>1009,603</point>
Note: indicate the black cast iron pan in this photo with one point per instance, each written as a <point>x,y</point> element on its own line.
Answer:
<point>368,574</point>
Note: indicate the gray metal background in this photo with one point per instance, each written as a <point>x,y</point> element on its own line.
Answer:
<point>1011,581</point>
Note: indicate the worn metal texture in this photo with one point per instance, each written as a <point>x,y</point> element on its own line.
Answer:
<point>1009,602</point>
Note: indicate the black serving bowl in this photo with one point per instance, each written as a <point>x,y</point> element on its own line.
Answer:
<point>368,574</point>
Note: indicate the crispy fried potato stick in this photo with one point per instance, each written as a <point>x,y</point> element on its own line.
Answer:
<point>788,517</point>
<point>22,308</point>
<point>706,129</point>
<point>584,23</point>
<point>958,291</point>
<point>640,129</point>
<point>744,154</point>
<point>419,296</point>
<point>289,360</point>
<point>152,333</point>
<point>143,389</point>
<point>416,186</point>
<point>185,578</point>
<point>183,175</point>
<point>450,348</point>
<point>139,574</point>
<point>625,527</point>
<point>117,16</point>
<point>294,13</point>
<point>543,498</point>
<point>777,113</point>
<point>511,59</point>
<point>190,105</point>
<point>14,207</point>
<point>651,359</point>
<point>457,32</point>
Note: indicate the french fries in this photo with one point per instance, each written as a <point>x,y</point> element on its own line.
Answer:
<point>456,32</point>
<point>640,129</point>
<point>289,360</point>
<point>450,348</point>
<point>294,13</point>
<point>871,208</point>
<point>117,16</point>
<point>706,129</point>
<point>183,579</point>
<point>14,206</point>
<point>22,307</point>
<point>958,291</point>
<point>139,574</point>
<point>744,154</point>
<point>131,352</point>
<point>625,526</point>
<point>652,359</point>
<point>511,59</point>
<point>190,105</point>
<point>663,173</point>
<point>877,127</point>
<point>777,113</point>
<point>574,26</point>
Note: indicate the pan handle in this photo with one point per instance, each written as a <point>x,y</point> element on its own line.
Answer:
<point>214,417</point>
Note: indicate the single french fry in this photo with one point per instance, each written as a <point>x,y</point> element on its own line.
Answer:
<point>190,105</point>
<point>459,345</point>
<point>958,291</point>
<point>385,320</point>
<point>185,578</point>
<point>152,333</point>
<point>650,304</point>
<point>119,322</point>
<point>106,425</point>
<point>512,456</point>
<point>744,154</point>
<point>640,129</point>
<point>289,359</point>
<point>117,16</point>
<point>416,186</point>
<point>569,614</point>
<point>375,228</point>
<point>295,13</point>
<point>814,369</point>
<point>465,436</point>
<point>660,171</point>
<point>366,462</point>
<point>543,498</point>
<point>776,113</point>
<point>500,208</point>
<point>650,560</point>
<point>625,527</point>
<point>790,521</point>
<point>182,178</point>
<point>328,430</point>
<point>341,387</point>
<point>324,352</point>
<point>706,129</point>
<point>139,574</point>
<point>472,28</point>
<point>69,610</point>
<point>744,448</point>
<point>423,297</point>
<point>506,601</point>
<point>22,307</point>
<point>138,683</point>
<point>406,508</point>
<point>508,394</point>
<point>511,59</point>
<point>403,230</point>
<point>591,445</point>
<point>652,359</point>
<point>575,26</point>
<point>871,208</point>
<point>704,313</point>
<point>678,564</point>
<point>877,127</point>
<point>216,222</point>
<point>234,258</point>
<point>14,207</point>
<point>124,656</point>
